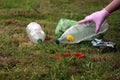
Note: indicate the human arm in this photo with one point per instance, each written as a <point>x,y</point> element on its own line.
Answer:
<point>113,6</point>
<point>99,16</point>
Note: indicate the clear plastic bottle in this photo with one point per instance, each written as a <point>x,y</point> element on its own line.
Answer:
<point>80,32</point>
<point>35,32</point>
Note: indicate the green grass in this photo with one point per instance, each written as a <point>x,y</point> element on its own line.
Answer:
<point>20,59</point>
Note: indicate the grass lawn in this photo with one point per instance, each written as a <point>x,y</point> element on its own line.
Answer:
<point>20,59</point>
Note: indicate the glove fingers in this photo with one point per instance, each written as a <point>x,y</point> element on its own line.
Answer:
<point>84,21</point>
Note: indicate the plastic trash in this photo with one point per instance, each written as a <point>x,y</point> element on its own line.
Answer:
<point>81,32</point>
<point>63,25</point>
<point>99,43</point>
<point>76,55</point>
<point>35,32</point>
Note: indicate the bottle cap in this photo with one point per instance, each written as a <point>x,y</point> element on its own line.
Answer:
<point>39,40</point>
<point>57,41</point>
<point>70,38</point>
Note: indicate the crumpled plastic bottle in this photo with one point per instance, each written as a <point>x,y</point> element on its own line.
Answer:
<point>35,32</point>
<point>81,32</point>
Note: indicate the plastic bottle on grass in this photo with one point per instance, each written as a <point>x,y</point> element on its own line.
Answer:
<point>35,32</point>
<point>81,32</point>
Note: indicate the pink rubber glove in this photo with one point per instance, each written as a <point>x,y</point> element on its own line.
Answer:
<point>97,17</point>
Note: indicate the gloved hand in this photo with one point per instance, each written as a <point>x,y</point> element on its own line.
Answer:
<point>97,17</point>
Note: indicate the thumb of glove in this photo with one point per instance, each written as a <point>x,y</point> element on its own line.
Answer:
<point>97,27</point>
